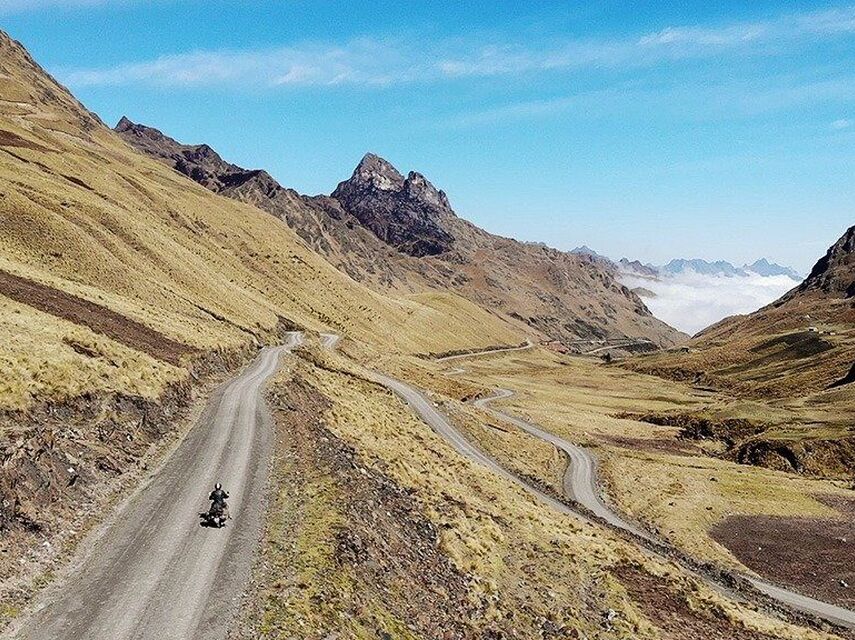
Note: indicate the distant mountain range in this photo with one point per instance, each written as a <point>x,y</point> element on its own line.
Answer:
<point>680,266</point>
<point>801,342</point>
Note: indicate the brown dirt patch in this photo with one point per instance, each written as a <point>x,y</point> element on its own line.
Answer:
<point>815,556</point>
<point>94,316</point>
<point>659,445</point>
<point>9,139</point>
<point>842,504</point>
<point>698,427</point>
<point>672,614</point>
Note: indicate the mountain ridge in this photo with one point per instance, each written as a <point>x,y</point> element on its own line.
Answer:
<point>400,232</point>
<point>835,271</point>
<point>676,266</point>
<point>799,344</point>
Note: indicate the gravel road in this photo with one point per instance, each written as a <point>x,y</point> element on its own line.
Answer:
<point>154,573</point>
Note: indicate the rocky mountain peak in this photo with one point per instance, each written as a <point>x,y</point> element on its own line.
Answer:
<point>124,124</point>
<point>374,171</point>
<point>128,129</point>
<point>420,188</point>
<point>406,213</point>
<point>834,273</point>
<point>199,162</point>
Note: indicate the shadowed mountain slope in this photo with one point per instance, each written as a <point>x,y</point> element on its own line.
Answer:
<point>397,232</point>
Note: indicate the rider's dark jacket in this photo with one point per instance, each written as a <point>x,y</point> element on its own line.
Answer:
<point>218,496</point>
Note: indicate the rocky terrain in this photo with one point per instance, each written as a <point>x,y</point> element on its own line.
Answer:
<point>399,232</point>
<point>834,274</point>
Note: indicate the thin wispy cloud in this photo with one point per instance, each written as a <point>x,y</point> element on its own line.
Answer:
<point>377,61</point>
<point>22,6</point>
<point>705,101</point>
<point>363,61</point>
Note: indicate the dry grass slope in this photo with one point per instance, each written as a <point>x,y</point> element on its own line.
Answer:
<point>679,487</point>
<point>531,572</point>
<point>84,214</point>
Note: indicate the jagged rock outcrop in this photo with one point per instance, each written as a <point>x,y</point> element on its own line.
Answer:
<point>834,273</point>
<point>403,212</point>
<point>400,232</point>
<point>199,162</point>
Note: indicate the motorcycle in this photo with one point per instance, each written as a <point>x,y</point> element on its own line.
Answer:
<point>216,516</point>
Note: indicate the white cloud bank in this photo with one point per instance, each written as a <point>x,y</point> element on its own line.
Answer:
<point>691,301</point>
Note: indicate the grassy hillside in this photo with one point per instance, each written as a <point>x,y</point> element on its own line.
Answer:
<point>679,476</point>
<point>85,220</point>
<point>380,529</point>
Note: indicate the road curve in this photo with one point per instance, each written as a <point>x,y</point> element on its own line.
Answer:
<point>623,345</point>
<point>425,409</point>
<point>155,573</point>
<point>580,479</point>
<point>581,485</point>
<point>330,340</point>
<point>528,345</point>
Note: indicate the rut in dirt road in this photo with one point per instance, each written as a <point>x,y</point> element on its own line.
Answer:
<point>155,573</point>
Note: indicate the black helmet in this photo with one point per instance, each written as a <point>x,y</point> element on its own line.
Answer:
<point>218,486</point>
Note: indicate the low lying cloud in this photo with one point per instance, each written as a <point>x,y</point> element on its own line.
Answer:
<point>691,301</point>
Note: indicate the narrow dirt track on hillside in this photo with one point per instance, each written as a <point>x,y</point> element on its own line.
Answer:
<point>486,352</point>
<point>581,484</point>
<point>580,481</point>
<point>155,573</point>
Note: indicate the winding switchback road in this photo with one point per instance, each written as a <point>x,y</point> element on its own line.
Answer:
<point>581,484</point>
<point>437,421</point>
<point>155,573</point>
<point>580,480</point>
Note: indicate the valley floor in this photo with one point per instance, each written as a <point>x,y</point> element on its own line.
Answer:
<point>790,528</point>
<point>377,527</point>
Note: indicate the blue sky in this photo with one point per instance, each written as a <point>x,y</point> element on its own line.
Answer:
<point>714,130</point>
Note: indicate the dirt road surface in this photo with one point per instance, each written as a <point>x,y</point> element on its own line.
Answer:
<point>581,484</point>
<point>460,356</point>
<point>155,573</point>
<point>580,480</point>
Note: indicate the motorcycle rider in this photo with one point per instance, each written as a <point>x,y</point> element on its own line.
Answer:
<point>218,499</point>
